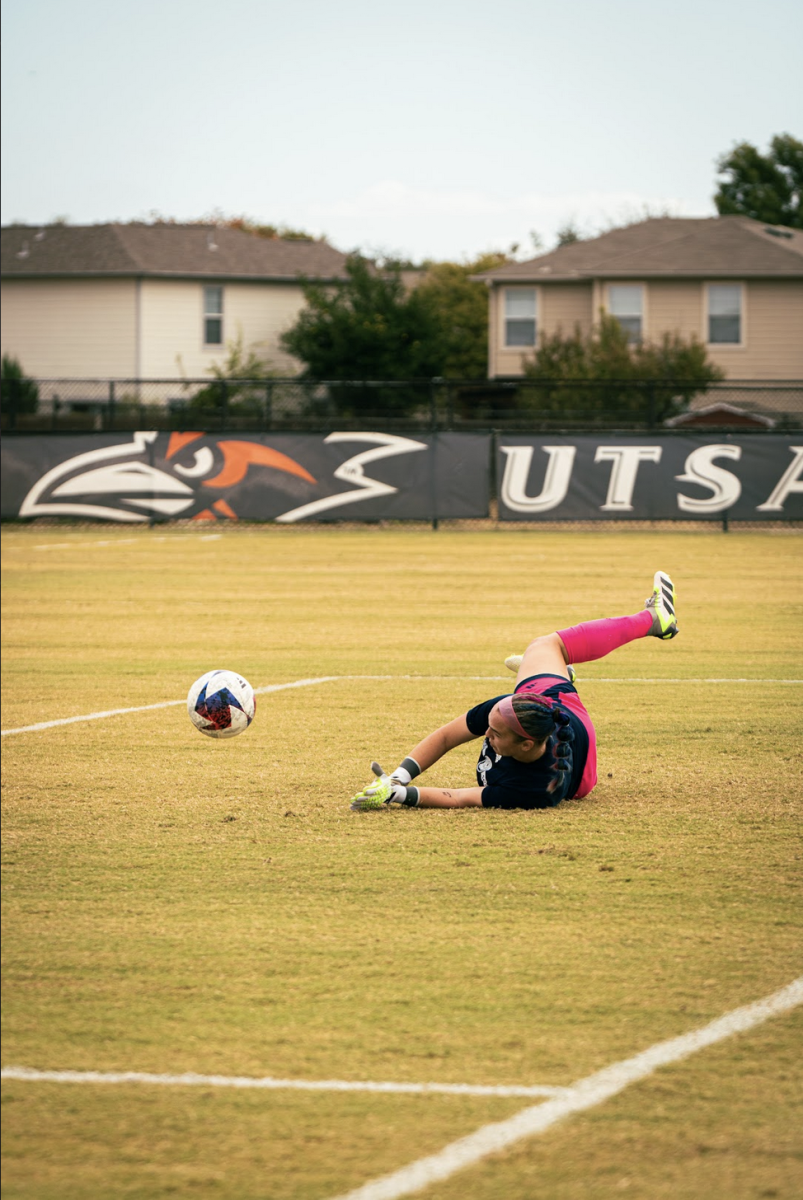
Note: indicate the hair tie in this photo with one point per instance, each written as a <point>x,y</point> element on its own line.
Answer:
<point>561,718</point>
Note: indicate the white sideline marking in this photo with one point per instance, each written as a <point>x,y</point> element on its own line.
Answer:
<point>592,1090</point>
<point>489,1139</point>
<point>190,1079</point>
<point>118,712</point>
<point>279,687</point>
<point>635,679</point>
<point>178,537</point>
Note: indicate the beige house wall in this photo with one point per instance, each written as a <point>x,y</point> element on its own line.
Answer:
<point>139,329</point>
<point>772,335</point>
<point>559,307</point>
<point>674,307</point>
<point>172,325</point>
<point>80,328</point>
<point>772,322</point>
<point>564,306</point>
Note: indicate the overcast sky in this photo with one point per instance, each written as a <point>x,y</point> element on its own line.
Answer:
<point>424,128</point>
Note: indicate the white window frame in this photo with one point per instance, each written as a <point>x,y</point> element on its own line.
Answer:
<point>522,347</point>
<point>740,287</point>
<point>211,314</point>
<point>642,315</point>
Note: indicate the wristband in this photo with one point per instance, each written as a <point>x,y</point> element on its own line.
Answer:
<point>407,770</point>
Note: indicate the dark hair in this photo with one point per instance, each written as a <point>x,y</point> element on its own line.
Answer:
<point>545,721</point>
<point>536,716</point>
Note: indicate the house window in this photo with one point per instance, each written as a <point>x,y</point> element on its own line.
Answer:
<point>626,303</point>
<point>213,316</point>
<point>519,316</point>
<point>724,313</point>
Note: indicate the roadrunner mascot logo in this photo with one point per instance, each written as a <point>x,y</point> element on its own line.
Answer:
<point>123,482</point>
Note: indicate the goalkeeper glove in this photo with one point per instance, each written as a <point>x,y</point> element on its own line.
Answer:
<point>383,791</point>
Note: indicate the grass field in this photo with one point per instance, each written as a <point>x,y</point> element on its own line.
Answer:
<point>174,904</point>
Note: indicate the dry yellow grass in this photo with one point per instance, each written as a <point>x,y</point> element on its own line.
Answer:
<point>175,904</point>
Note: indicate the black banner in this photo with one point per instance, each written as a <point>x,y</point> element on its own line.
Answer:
<point>642,478</point>
<point>282,477</point>
<point>288,477</point>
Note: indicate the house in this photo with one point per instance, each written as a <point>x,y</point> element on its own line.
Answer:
<point>733,283</point>
<point>136,301</point>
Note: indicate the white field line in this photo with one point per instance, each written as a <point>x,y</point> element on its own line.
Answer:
<point>636,679</point>
<point>190,1079</point>
<point>489,1139</point>
<point>279,687</point>
<point>192,537</point>
<point>593,1090</point>
<point>119,712</point>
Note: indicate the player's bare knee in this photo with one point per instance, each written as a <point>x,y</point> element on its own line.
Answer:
<point>548,641</point>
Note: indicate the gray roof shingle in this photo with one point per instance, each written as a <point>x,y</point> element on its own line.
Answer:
<point>669,247</point>
<point>178,251</point>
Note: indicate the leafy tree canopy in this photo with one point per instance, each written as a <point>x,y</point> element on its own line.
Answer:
<point>766,187</point>
<point>19,393</point>
<point>233,385</point>
<point>246,224</point>
<point>370,327</point>
<point>459,305</point>
<point>616,376</point>
<point>568,234</point>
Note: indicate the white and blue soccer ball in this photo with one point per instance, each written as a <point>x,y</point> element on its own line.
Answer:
<point>221,704</point>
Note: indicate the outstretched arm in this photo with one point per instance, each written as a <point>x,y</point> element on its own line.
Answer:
<point>450,797</point>
<point>435,745</point>
<point>433,748</point>
<point>394,789</point>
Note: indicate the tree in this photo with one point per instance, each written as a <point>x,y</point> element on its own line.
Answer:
<point>459,305</point>
<point>243,223</point>
<point>568,234</point>
<point>766,187</point>
<point>19,393</point>
<point>270,232</point>
<point>368,328</point>
<point>602,374</point>
<point>235,388</point>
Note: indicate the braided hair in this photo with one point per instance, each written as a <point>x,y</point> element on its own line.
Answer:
<point>545,721</point>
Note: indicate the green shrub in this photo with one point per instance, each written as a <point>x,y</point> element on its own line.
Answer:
<point>19,394</point>
<point>603,374</point>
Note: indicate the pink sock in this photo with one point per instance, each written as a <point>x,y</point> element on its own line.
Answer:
<point>595,639</point>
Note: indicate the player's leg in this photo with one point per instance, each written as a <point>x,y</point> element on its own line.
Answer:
<point>544,656</point>
<point>591,640</point>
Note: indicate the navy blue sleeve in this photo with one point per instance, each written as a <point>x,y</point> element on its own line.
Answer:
<point>503,797</point>
<point>477,717</point>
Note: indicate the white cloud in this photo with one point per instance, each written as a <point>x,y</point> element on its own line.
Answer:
<point>454,223</point>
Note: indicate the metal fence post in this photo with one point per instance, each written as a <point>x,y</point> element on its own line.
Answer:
<point>151,460</point>
<point>433,403</point>
<point>110,411</point>
<point>224,403</point>
<point>268,404</point>
<point>433,461</point>
<point>13,393</point>
<point>651,407</point>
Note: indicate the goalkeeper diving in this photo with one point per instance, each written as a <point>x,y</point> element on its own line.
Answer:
<point>539,744</point>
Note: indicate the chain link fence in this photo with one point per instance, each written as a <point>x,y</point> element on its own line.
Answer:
<point>413,405</point>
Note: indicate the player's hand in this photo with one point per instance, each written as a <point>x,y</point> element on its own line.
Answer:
<point>379,793</point>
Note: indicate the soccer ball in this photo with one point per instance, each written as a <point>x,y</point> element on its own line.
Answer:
<point>221,704</point>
